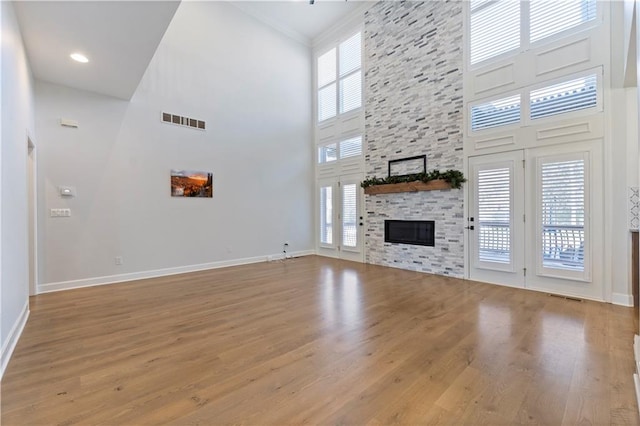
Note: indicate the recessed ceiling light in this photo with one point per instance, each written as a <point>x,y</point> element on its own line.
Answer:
<point>79,57</point>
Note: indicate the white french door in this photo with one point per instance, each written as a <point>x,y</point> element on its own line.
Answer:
<point>496,222</point>
<point>564,187</point>
<point>535,219</point>
<point>341,232</point>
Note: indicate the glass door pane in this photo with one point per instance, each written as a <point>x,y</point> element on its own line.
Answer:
<point>326,215</point>
<point>349,216</point>
<point>562,209</point>
<point>494,215</point>
<point>562,214</point>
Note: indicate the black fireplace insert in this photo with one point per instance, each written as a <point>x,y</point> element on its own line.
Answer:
<point>417,232</point>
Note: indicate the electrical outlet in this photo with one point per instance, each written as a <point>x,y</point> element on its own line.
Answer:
<point>119,260</point>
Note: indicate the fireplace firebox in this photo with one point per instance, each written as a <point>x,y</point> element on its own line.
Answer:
<point>417,232</point>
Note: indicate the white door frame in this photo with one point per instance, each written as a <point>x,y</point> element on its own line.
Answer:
<point>498,272</point>
<point>32,207</point>
<point>591,285</point>
<point>337,249</point>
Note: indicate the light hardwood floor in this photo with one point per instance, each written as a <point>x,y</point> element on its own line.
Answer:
<point>319,341</point>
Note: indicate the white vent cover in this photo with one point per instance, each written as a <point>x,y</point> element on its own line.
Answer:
<point>183,121</point>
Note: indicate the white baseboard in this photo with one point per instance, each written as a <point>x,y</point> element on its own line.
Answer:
<point>636,381</point>
<point>112,279</point>
<point>622,299</point>
<point>12,339</point>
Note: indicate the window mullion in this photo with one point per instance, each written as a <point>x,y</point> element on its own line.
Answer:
<point>524,25</point>
<point>337,100</point>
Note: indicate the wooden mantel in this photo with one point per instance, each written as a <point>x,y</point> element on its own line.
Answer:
<point>407,187</point>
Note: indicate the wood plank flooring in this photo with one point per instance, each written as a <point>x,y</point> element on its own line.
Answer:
<point>319,341</point>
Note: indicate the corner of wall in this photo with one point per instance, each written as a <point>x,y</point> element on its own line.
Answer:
<point>9,345</point>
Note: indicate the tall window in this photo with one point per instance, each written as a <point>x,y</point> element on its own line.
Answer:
<point>496,26</point>
<point>340,78</point>
<point>552,17</point>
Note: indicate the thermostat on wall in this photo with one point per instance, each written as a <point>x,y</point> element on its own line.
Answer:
<point>65,122</point>
<point>67,191</point>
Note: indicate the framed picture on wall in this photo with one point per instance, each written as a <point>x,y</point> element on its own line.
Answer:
<point>408,166</point>
<point>190,183</point>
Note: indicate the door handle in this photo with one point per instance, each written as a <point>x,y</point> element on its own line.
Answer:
<point>470,228</point>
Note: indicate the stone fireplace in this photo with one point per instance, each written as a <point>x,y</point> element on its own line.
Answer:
<point>413,99</point>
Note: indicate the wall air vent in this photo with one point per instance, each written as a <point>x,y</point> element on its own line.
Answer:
<point>183,121</point>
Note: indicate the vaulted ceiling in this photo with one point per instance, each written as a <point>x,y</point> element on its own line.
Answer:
<point>120,37</point>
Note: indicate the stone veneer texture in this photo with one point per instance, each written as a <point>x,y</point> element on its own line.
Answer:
<point>413,94</point>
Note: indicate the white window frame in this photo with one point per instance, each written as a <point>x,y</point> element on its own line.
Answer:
<point>525,104</point>
<point>337,143</point>
<point>320,52</point>
<point>340,127</point>
<point>598,71</point>
<point>525,44</point>
<point>495,129</point>
<point>585,26</point>
<point>324,144</point>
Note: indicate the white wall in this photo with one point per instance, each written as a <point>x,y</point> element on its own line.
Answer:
<point>251,85</point>
<point>621,162</point>
<point>17,121</point>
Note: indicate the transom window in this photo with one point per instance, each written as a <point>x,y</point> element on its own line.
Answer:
<point>499,112</point>
<point>347,148</point>
<point>572,95</point>
<point>569,95</point>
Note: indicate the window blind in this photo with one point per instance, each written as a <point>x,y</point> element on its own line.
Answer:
<point>327,102</point>
<point>349,225</point>
<point>350,92</point>
<point>495,28</point>
<point>562,213</point>
<point>327,68</point>
<point>551,17</point>
<point>351,147</point>
<point>496,113</point>
<point>350,54</point>
<point>494,215</point>
<point>326,214</point>
<point>564,97</point>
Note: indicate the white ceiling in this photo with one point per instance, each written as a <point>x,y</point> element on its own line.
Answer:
<point>299,18</point>
<point>120,37</point>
